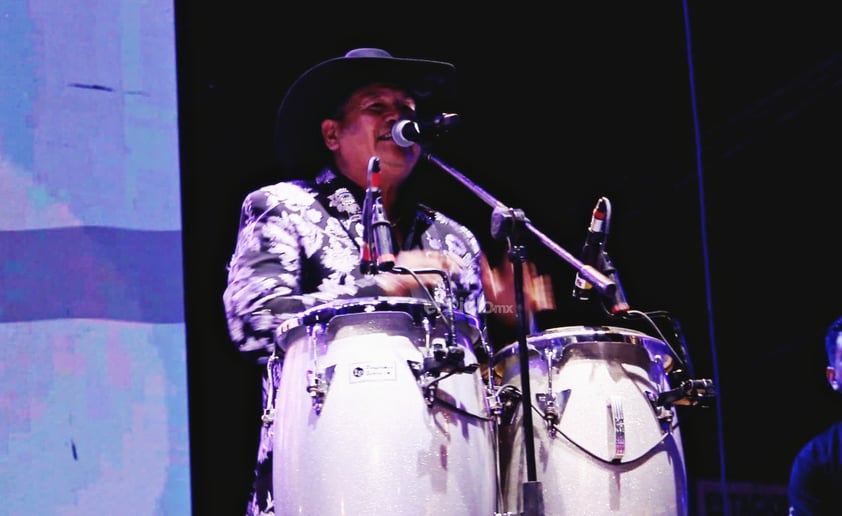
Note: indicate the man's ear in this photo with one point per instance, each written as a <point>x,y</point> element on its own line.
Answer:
<point>831,378</point>
<point>330,133</point>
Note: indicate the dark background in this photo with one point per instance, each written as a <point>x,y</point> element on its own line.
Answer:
<point>713,129</point>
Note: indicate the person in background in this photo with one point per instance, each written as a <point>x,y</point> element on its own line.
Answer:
<point>815,480</point>
<point>300,241</point>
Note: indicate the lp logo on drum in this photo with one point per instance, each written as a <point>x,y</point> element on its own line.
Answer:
<point>372,372</point>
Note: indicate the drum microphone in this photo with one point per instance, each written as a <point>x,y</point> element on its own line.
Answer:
<point>367,264</point>
<point>377,252</point>
<point>381,233</point>
<point>407,132</point>
<point>691,392</point>
<point>593,248</point>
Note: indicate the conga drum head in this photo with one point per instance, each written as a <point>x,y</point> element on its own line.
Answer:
<point>407,315</point>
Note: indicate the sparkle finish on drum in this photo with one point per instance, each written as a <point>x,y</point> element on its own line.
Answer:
<point>355,432</point>
<point>611,449</point>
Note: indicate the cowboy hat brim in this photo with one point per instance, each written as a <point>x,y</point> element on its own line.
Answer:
<point>318,92</point>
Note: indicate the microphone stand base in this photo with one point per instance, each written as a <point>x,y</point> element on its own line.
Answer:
<point>533,499</point>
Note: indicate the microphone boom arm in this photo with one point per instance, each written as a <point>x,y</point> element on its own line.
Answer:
<point>600,281</point>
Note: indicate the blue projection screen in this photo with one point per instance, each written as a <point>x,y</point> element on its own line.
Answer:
<point>93,375</point>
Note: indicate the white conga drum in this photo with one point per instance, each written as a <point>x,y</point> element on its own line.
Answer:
<point>602,444</point>
<point>366,422</point>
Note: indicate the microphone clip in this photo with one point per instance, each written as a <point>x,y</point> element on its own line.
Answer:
<point>690,392</point>
<point>616,302</point>
<point>444,358</point>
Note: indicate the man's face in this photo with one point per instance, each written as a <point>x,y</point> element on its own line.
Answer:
<point>364,130</point>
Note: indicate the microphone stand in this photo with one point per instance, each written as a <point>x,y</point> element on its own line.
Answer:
<point>508,222</point>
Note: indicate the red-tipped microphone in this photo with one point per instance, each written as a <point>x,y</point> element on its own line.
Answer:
<point>594,244</point>
<point>367,265</point>
<point>381,231</point>
<point>377,252</point>
<point>594,255</point>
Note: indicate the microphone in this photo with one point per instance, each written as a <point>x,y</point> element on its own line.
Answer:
<point>690,392</point>
<point>407,132</point>
<point>367,256</point>
<point>593,248</point>
<point>377,252</point>
<point>381,233</point>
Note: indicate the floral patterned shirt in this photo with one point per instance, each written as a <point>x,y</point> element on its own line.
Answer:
<point>298,246</point>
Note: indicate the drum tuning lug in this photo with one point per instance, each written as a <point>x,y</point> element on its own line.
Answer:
<point>547,402</point>
<point>426,380</point>
<point>507,401</point>
<point>317,394</point>
<point>417,369</point>
<point>430,392</point>
<point>665,415</point>
<point>272,373</point>
<point>317,389</point>
<point>268,417</point>
<point>551,415</point>
<point>495,408</point>
<point>663,411</point>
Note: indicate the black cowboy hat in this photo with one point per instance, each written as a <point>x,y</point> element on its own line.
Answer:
<point>319,91</point>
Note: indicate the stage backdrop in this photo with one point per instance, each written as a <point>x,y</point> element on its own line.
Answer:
<point>93,380</point>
